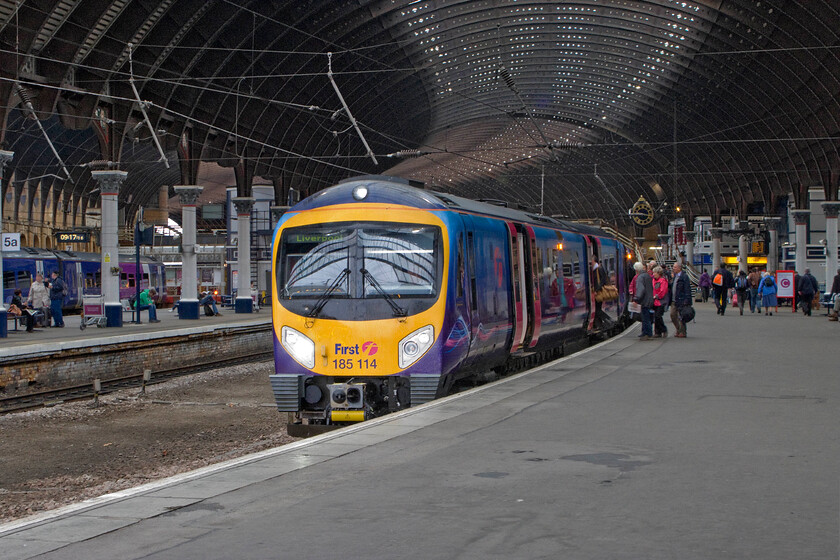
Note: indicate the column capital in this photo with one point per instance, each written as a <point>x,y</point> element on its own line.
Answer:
<point>110,180</point>
<point>188,194</point>
<point>800,216</point>
<point>831,209</point>
<point>243,204</point>
<point>5,157</point>
<point>717,232</point>
<point>690,236</point>
<point>772,222</point>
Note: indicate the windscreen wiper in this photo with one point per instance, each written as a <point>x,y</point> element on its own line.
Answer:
<point>322,301</point>
<point>398,311</point>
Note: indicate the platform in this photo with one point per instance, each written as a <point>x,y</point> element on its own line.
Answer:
<point>721,445</point>
<point>168,322</point>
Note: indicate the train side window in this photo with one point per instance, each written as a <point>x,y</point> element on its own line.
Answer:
<point>24,279</point>
<point>8,280</point>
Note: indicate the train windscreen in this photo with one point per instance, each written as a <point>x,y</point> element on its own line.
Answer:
<point>359,261</point>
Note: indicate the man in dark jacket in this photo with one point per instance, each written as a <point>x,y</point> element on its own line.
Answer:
<point>727,282</point>
<point>680,297</point>
<point>57,293</point>
<point>806,288</point>
<point>644,297</point>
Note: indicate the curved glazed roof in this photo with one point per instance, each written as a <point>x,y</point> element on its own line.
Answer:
<point>717,106</point>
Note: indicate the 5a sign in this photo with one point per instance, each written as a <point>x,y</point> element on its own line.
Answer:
<point>72,236</point>
<point>11,242</point>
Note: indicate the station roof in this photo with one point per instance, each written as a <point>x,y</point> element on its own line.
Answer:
<point>574,108</point>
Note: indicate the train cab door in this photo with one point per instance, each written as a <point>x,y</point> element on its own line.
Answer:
<point>468,306</point>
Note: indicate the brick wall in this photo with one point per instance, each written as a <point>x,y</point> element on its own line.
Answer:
<point>80,366</point>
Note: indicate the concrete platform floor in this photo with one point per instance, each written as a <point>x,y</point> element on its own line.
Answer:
<point>722,445</point>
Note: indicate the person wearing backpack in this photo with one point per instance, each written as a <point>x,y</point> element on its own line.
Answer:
<point>806,288</point>
<point>705,284</point>
<point>754,279</point>
<point>722,282</point>
<point>742,286</point>
<point>680,300</point>
<point>767,290</point>
<point>58,289</point>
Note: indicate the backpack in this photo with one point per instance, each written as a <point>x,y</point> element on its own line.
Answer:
<point>768,282</point>
<point>718,281</point>
<point>741,283</point>
<point>132,299</point>
<point>208,310</point>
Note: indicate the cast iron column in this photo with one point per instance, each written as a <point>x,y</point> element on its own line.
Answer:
<point>689,248</point>
<point>717,235</point>
<point>743,250</point>
<point>773,224</point>
<point>109,189</point>
<point>663,242</point>
<point>831,210</point>
<point>188,307</point>
<point>800,217</point>
<point>5,157</point>
<point>243,205</point>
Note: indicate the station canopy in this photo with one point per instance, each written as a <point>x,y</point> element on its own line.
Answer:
<point>573,108</point>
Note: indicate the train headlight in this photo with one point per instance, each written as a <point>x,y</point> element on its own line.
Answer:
<point>360,192</point>
<point>299,346</point>
<point>415,345</point>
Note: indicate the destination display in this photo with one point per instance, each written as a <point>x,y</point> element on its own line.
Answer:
<point>72,237</point>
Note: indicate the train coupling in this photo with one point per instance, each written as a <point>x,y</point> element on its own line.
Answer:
<point>347,402</point>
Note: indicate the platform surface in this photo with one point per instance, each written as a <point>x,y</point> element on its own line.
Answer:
<point>725,444</point>
<point>169,321</point>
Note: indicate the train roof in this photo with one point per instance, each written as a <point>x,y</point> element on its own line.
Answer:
<point>394,190</point>
<point>37,253</point>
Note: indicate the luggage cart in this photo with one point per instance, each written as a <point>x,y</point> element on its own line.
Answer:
<point>93,311</point>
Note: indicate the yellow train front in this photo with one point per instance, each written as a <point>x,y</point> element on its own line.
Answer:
<point>387,295</point>
<point>358,303</point>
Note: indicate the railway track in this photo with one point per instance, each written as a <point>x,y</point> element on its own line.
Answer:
<point>51,397</point>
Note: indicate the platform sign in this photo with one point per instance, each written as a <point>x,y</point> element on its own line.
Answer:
<point>11,242</point>
<point>785,280</point>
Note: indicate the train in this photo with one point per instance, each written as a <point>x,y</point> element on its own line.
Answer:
<point>80,271</point>
<point>388,295</point>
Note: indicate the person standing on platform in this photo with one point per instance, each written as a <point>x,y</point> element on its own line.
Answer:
<point>38,299</point>
<point>147,301</point>
<point>680,297</point>
<point>754,279</point>
<point>834,297</point>
<point>722,282</point>
<point>767,290</point>
<point>742,289</point>
<point>644,297</point>
<point>58,289</point>
<point>806,288</point>
<point>705,284</point>
<point>660,302</point>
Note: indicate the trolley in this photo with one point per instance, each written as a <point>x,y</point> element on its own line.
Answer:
<point>93,311</point>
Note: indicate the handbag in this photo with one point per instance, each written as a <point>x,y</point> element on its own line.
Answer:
<point>14,310</point>
<point>686,314</point>
<point>607,292</point>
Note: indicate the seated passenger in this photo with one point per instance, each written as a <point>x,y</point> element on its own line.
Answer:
<point>19,309</point>
<point>208,301</point>
<point>147,301</point>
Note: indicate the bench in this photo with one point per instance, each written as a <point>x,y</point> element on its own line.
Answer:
<point>18,319</point>
<point>126,308</point>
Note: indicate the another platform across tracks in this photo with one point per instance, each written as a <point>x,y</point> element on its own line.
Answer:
<point>54,358</point>
<point>721,445</point>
